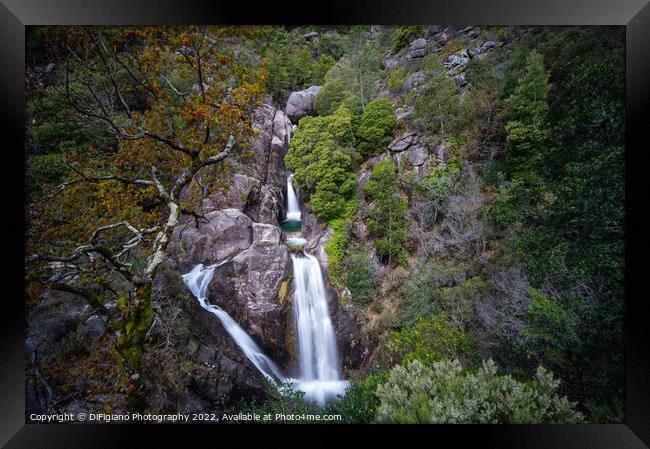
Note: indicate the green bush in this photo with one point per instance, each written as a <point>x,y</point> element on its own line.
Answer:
<point>47,167</point>
<point>320,69</point>
<point>437,109</point>
<point>336,248</point>
<point>359,405</point>
<point>396,78</point>
<point>376,128</point>
<point>322,163</point>
<point>362,277</point>
<point>421,292</point>
<point>431,340</point>
<point>330,97</point>
<point>443,393</point>
<point>404,35</point>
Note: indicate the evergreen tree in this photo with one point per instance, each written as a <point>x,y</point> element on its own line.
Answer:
<point>376,127</point>
<point>437,108</point>
<point>527,128</point>
<point>386,219</point>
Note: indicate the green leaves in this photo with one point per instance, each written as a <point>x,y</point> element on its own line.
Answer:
<point>404,35</point>
<point>376,128</point>
<point>321,165</point>
<point>443,393</point>
<point>386,218</point>
<point>527,130</point>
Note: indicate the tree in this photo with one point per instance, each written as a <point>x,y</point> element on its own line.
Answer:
<point>321,161</point>
<point>173,102</point>
<point>438,105</point>
<point>386,217</point>
<point>443,393</point>
<point>527,130</point>
<point>376,127</point>
<point>364,63</point>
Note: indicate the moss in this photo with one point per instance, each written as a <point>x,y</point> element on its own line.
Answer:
<point>283,291</point>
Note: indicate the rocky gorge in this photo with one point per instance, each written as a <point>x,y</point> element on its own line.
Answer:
<point>370,214</point>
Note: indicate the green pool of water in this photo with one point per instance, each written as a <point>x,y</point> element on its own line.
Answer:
<point>290,225</point>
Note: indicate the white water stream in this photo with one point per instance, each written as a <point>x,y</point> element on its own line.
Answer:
<point>320,377</point>
<point>293,209</point>
<point>197,281</point>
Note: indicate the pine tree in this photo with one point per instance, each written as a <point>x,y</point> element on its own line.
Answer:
<point>386,219</point>
<point>527,129</point>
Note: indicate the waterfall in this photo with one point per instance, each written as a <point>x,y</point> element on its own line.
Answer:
<point>320,377</point>
<point>197,281</point>
<point>319,365</point>
<point>293,210</point>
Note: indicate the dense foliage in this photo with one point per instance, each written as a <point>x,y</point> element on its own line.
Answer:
<point>498,235</point>
<point>387,208</point>
<point>443,393</point>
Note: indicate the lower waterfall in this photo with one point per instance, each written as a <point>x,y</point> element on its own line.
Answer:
<point>320,378</point>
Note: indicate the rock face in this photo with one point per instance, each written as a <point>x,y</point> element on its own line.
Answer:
<point>301,103</point>
<point>402,142</point>
<point>226,233</point>
<point>258,176</point>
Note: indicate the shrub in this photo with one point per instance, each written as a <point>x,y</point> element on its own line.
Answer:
<point>322,164</point>
<point>320,69</point>
<point>422,291</point>
<point>437,109</point>
<point>396,79</point>
<point>48,167</point>
<point>404,35</point>
<point>443,393</point>
<point>337,246</point>
<point>431,340</point>
<point>376,128</point>
<point>330,97</point>
<point>362,277</point>
<point>359,405</point>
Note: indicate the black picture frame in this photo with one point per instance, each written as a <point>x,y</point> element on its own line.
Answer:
<point>633,14</point>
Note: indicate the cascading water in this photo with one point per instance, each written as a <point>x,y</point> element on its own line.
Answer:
<point>197,281</point>
<point>320,377</point>
<point>319,365</point>
<point>293,209</point>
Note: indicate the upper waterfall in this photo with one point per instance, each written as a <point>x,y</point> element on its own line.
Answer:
<point>293,209</point>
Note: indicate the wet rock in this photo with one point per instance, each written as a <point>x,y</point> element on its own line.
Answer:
<point>264,233</point>
<point>301,103</point>
<point>348,332</point>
